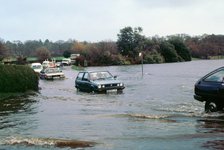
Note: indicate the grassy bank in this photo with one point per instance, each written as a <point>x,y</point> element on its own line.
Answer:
<point>78,68</point>
<point>17,79</point>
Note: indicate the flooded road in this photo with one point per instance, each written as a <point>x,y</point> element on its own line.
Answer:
<point>156,111</point>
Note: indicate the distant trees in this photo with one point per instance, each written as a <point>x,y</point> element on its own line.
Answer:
<point>79,47</point>
<point>156,50</point>
<point>105,53</point>
<point>206,45</point>
<point>168,52</point>
<point>125,50</point>
<point>28,48</point>
<point>101,53</point>
<point>17,48</point>
<point>2,50</point>
<point>67,54</point>
<point>182,50</point>
<point>43,53</point>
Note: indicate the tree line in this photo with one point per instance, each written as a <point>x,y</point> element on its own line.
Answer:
<point>130,42</point>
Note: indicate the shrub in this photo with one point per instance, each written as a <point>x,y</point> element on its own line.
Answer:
<point>17,78</point>
<point>153,57</point>
<point>168,51</point>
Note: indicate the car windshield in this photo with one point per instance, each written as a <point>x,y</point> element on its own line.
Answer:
<point>36,67</point>
<point>52,70</point>
<point>216,77</point>
<point>100,75</point>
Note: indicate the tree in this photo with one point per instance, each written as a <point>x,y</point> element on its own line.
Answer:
<point>168,51</point>
<point>130,41</point>
<point>30,46</point>
<point>67,54</point>
<point>2,50</point>
<point>18,48</point>
<point>206,45</point>
<point>153,57</point>
<point>125,41</point>
<point>43,53</point>
<point>182,50</point>
<point>78,47</point>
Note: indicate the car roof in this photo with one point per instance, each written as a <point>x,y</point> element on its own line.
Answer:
<point>34,64</point>
<point>50,68</point>
<point>92,71</point>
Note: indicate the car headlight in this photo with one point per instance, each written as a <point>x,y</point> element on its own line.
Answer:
<point>101,86</point>
<point>121,84</point>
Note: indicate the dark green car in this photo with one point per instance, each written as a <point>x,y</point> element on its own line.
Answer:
<point>98,82</point>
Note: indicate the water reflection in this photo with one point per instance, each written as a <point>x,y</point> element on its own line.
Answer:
<point>211,125</point>
<point>16,105</point>
<point>216,145</point>
<point>14,112</point>
<point>213,128</point>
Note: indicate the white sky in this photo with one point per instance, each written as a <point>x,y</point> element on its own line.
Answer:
<point>97,20</point>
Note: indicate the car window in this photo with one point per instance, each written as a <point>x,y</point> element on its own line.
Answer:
<point>216,77</point>
<point>100,75</point>
<point>52,70</point>
<point>80,75</point>
<point>36,66</point>
<point>86,76</point>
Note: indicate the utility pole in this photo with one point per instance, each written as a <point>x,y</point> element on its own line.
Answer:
<point>141,55</point>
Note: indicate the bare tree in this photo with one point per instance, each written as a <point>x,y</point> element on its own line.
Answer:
<point>3,50</point>
<point>43,53</point>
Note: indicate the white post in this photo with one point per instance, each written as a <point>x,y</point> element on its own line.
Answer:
<point>141,55</point>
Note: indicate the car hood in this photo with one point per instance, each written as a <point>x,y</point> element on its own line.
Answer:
<point>107,81</point>
<point>37,70</point>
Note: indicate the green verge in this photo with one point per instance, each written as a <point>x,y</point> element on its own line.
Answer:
<point>78,68</point>
<point>17,79</point>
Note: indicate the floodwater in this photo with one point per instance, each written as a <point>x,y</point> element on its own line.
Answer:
<point>156,111</point>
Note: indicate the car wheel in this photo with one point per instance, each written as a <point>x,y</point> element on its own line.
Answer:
<point>93,91</point>
<point>210,107</point>
<point>119,91</point>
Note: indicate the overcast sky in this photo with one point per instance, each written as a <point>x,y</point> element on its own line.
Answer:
<point>98,20</point>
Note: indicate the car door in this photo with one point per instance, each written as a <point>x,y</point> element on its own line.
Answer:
<point>86,85</point>
<point>213,84</point>
<point>78,81</point>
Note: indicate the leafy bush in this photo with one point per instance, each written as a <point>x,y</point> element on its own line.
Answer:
<point>17,78</point>
<point>182,50</point>
<point>153,57</point>
<point>168,51</point>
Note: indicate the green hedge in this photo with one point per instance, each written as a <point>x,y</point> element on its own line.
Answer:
<point>16,78</point>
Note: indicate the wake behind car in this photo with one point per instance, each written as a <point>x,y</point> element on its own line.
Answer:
<point>210,89</point>
<point>98,82</point>
<point>51,73</point>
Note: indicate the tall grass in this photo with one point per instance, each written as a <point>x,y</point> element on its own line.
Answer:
<point>16,78</point>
